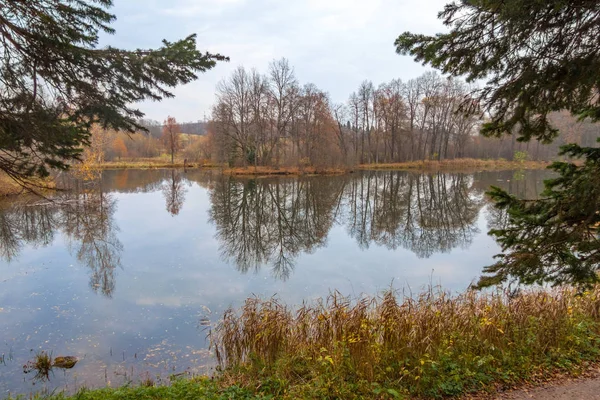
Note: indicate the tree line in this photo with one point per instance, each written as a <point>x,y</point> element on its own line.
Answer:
<point>273,120</point>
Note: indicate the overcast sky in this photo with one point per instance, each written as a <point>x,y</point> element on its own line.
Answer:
<point>335,44</point>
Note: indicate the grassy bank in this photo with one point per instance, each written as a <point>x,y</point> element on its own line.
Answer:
<point>430,346</point>
<point>427,346</point>
<point>8,187</point>
<point>238,171</point>
<point>180,389</point>
<point>150,164</point>
<point>458,164</point>
<point>297,171</point>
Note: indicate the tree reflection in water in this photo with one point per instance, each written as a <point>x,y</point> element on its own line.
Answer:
<point>263,222</point>
<point>174,192</point>
<point>426,214</point>
<point>271,221</point>
<point>86,219</point>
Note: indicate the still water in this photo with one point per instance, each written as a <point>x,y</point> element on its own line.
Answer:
<point>128,274</point>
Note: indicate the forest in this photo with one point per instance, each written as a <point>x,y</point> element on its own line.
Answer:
<point>274,120</point>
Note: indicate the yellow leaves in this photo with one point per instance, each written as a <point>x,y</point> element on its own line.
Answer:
<point>325,359</point>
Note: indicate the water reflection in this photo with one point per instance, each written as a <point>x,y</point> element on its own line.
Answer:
<point>174,191</point>
<point>86,220</point>
<point>270,222</point>
<point>177,243</point>
<point>264,222</point>
<point>423,213</point>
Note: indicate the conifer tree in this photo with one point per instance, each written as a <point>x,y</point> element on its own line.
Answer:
<point>535,57</point>
<point>56,82</point>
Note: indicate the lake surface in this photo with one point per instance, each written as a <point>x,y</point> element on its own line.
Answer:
<point>130,279</point>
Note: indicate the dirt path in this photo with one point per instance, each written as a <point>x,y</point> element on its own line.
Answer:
<point>587,388</point>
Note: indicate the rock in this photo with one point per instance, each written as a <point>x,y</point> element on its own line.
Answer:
<point>66,362</point>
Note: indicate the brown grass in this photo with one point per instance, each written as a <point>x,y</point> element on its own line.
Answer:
<point>458,164</point>
<point>143,164</point>
<point>433,344</point>
<point>294,171</point>
<point>41,365</point>
<point>9,187</point>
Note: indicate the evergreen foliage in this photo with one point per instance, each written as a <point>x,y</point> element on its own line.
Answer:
<point>536,57</point>
<point>55,82</point>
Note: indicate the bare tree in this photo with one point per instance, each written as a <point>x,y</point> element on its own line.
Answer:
<point>283,88</point>
<point>171,137</point>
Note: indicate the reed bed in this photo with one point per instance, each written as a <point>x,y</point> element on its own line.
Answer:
<point>143,164</point>
<point>294,171</point>
<point>430,345</point>
<point>9,187</point>
<point>458,164</point>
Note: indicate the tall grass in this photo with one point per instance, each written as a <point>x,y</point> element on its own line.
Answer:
<point>458,164</point>
<point>433,344</point>
<point>8,187</point>
<point>263,170</point>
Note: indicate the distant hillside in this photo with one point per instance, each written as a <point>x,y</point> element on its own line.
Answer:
<point>192,128</point>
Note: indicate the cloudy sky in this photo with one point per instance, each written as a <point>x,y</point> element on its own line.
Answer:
<point>335,44</point>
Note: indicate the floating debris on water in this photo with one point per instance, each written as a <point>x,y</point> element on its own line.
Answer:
<point>66,362</point>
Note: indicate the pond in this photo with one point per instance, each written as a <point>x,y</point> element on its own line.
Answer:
<point>128,275</point>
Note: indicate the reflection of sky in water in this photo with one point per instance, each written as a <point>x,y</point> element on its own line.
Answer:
<point>172,272</point>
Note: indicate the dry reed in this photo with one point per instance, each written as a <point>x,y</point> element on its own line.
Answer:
<point>458,164</point>
<point>293,171</point>
<point>433,344</point>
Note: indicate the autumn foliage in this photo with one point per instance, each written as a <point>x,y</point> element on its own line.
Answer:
<point>171,137</point>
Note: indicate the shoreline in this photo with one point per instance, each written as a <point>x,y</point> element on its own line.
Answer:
<point>458,164</point>
<point>8,188</point>
<point>455,164</point>
<point>204,387</point>
<point>431,345</point>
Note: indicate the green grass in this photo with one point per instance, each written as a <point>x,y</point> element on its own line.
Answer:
<point>431,345</point>
<point>181,389</point>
